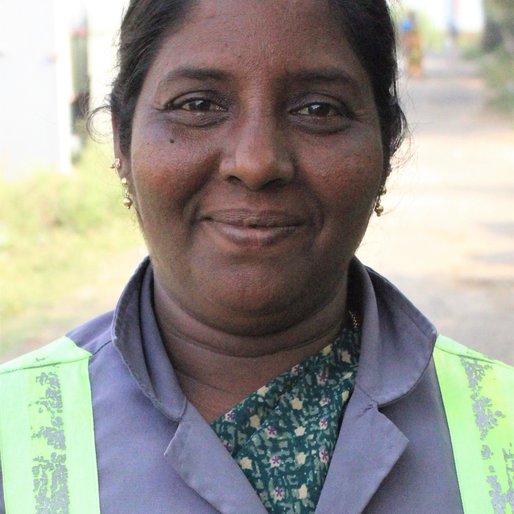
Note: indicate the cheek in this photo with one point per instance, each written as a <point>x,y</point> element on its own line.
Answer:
<point>168,172</point>
<point>347,176</point>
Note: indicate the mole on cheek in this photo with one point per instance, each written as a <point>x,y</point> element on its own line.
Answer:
<point>172,141</point>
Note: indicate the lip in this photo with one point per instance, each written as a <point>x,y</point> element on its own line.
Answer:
<point>256,229</point>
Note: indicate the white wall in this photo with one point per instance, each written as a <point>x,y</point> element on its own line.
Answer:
<point>104,20</point>
<point>35,77</point>
<point>35,87</point>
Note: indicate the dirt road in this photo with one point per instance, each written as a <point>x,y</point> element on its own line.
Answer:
<point>447,239</point>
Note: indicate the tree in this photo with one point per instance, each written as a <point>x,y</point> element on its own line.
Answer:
<point>499,29</point>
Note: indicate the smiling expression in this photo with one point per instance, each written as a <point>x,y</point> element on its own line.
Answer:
<point>255,159</point>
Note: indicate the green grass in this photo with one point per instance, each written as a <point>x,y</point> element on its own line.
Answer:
<point>55,231</point>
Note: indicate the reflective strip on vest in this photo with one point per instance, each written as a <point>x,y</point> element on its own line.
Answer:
<point>47,445</point>
<point>478,397</point>
<point>48,452</point>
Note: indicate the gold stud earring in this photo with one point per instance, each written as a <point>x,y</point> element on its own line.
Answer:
<point>379,209</point>
<point>127,199</point>
<point>116,165</point>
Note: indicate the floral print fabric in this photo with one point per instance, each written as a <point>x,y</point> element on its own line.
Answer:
<point>284,434</point>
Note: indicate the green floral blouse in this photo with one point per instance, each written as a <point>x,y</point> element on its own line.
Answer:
<point>284,434</point>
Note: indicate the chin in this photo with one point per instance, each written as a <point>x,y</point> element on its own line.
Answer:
<point>260,305</point>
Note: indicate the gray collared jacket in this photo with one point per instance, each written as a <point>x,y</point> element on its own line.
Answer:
<point>157,455</point>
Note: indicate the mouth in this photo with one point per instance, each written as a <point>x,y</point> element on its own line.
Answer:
<point>257,229</point>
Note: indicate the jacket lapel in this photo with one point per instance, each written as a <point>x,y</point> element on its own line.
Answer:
<point>368,447</point>
<point>201,460</point>
<point>396,347</point>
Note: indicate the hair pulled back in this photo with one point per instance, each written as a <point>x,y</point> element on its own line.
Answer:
<point>145,26</point>
<point>367,24</point>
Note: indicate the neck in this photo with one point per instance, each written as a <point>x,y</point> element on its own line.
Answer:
<point>217,369</point>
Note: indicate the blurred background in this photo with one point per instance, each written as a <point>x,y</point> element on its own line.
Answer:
<point>67,245</point>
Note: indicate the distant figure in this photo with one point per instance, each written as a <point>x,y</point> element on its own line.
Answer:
<point>453,33</point>
<point>412,44</point>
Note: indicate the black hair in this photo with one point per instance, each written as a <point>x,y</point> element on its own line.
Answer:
<point>369,28</point>
<point>145,26</point>
<point>367,24</point>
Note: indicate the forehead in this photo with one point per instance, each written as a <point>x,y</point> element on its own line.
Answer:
<point>258,17</point>
<point>273,35</point>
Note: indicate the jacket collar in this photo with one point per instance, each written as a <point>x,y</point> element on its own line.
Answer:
<point>397,340</point>
<point>194,451</point>
<point>136,336</point>
<point>397,343</point>
<point>396,348</point>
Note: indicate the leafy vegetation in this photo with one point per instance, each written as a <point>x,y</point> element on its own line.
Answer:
<point>499,30</point>
<point>56,229</point>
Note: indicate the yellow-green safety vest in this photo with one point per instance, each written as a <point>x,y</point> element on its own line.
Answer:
<point>46,429</point>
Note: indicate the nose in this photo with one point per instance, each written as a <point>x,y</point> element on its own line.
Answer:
<point>257,155</point>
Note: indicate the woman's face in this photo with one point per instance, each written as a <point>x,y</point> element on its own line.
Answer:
<point>255,159</point>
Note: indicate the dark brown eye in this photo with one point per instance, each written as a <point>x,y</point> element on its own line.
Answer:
<point>318,110</point>
<point>199,105</point>
<point>197,109</point>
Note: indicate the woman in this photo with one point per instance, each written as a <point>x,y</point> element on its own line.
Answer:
<point>252,364</point>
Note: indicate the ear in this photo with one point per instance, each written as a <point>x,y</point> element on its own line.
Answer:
<point>123,171</point>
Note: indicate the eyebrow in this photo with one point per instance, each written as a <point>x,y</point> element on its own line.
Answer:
<point>324,76</point>
<point>186,72</point>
